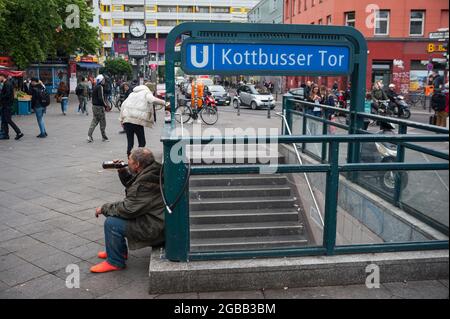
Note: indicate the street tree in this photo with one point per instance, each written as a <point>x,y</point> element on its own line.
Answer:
<point>118,68</point>
<point>32,31</point>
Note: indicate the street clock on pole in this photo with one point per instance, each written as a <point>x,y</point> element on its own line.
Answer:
<point>137,29</point>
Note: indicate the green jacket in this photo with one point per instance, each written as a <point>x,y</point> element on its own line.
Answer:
<point>142,208</point>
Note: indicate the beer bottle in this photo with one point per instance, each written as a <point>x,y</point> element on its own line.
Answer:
<point>113,165</point>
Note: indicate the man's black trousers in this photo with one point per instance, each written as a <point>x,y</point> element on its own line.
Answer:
<point>7,121</point>
<point>131,130</point>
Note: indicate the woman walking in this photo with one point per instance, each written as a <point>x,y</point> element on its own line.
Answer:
<point>136,113</point>
<point>62,96</point>
<point>315,97</point>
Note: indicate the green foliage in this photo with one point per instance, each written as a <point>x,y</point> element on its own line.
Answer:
<point>31,31</point>
<point>118,67</point>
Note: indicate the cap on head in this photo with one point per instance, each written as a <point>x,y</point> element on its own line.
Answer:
<point>99,78</point>
<point>392,85</point>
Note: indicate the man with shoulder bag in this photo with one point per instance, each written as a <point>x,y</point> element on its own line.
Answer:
<point>99,106</point>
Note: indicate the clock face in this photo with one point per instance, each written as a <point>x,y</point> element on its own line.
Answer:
<point>137,29</point>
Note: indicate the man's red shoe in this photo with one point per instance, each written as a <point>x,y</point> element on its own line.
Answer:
<point>104,267</point>
<point>104,255</point>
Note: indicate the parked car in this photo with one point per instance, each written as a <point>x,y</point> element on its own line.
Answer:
<point>249,95</point>
<point>297,93</point>
<point>219,93</point>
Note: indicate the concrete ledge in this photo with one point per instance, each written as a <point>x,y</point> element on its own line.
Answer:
<point>250,274</point>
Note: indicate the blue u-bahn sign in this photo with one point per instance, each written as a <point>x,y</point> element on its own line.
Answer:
<point>244,58</point>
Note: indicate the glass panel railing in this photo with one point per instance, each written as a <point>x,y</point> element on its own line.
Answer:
<point>371,217</point>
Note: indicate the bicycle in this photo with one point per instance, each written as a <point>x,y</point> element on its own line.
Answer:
<point>208,114</point>
<point>417,99</point>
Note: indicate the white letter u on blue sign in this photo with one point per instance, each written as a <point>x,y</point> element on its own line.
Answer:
<point>205,59</point>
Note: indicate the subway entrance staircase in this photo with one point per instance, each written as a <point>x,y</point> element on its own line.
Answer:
<point>244,212</point>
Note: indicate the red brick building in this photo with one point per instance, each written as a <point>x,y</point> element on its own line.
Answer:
<point>397,33</point>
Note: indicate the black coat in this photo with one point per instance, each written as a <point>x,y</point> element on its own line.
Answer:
<point>7,95</point>
<point>98,97</point>
<point>35,96</point>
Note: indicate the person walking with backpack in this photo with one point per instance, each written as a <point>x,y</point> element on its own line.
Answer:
<point>62,96</point>
<point>39,101</point>
<point>82,92</point>
<point>99,105</point>
<point>6,103</point>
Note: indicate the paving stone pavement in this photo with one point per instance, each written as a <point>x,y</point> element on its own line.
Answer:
<point>49,189</point>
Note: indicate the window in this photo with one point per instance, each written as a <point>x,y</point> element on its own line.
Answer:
<point>416,23</point>
<point>294,5</point>
<point>382,22</point>
<point>286,8</point>
<point>320,21</point>
<point>304,7</point>
<point>313,3</point>
<point>167,23</point>
<point>134,8</point>
<point>299,9</point>
<point>273,6</point>
<point>350,19</point>
<point>329,21</point>
<point>185,9</point>
<point>203,9</point>
<point>167,9</point>
<point>220,10</point>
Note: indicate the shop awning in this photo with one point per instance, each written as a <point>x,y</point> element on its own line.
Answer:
<point>86,65</point>
<point>14,74</point>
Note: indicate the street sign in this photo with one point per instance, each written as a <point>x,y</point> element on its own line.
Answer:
<point>439,35</point>
<point>137,48</point>
<point>255,59</point>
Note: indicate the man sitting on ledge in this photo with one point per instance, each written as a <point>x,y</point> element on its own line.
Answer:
<point>139,217</point>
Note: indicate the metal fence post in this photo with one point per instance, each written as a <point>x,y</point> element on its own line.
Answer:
<point>176,223</point>
<point>331,199</point>
<point>324,132</point>
<point>403,129</point>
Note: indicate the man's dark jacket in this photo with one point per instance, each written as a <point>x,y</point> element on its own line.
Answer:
<point>7,95</point>
<point>142,208</point>
<point>98,98</point>
<point>36,96</point>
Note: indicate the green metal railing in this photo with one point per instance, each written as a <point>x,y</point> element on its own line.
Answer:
<point>290,109</point>
<point>178,227</point>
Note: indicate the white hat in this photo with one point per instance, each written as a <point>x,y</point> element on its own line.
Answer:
<point>392,85</point>
<point>99,78</point>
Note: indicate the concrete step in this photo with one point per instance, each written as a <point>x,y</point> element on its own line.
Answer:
<point>246,230</point>
<point>234,154</point>
<point>237,180</point>
<point>249,216</point>
<point>242,203</point>
<point>247,243</point>
<point>238,191</point>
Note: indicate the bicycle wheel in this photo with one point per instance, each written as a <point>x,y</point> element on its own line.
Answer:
<point>183,113</point>
<point>209,115</point>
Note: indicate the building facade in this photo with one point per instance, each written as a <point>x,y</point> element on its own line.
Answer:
<point>160,17</point>
<point>397,32</point>
<point>267,11</point>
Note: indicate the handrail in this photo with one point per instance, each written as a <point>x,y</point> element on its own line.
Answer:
<point>301,163</point>
<point>283,139</point>
<point>422,126</point>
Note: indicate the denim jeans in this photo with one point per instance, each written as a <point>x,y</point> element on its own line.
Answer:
<point>40,111</point>
<point>116,246</point>
<point>64,103</point>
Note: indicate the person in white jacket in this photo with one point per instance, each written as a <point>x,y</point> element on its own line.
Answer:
<point>136,113</point>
